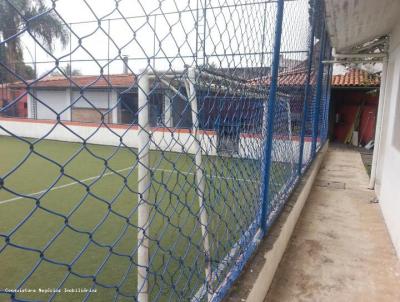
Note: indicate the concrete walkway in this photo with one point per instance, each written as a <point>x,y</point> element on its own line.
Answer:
<point>340,249</point>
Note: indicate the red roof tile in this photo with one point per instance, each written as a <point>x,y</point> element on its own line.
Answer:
<point>356,78</point>
<point>295,77</point>
<point>298,77</point>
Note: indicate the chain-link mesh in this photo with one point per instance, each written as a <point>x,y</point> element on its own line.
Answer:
<point>147,146</point>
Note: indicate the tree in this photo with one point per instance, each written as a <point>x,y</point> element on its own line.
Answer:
<point>67,70</point>
<point>42,23</point>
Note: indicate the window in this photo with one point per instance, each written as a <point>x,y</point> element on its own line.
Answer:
<point>129,108</point>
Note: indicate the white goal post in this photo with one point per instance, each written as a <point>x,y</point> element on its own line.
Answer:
<point>144,176</point>
<point>143,186</point>
<point>190,77</point>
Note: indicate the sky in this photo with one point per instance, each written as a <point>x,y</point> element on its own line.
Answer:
<point>163,34</point>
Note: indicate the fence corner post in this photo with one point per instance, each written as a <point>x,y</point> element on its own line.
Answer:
<point>318,95</point>
<point>270,115</point>
<point>306,93</point>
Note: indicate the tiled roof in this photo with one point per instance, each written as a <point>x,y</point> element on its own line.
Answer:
<point>356,78</point>
<point>295,77</point>
<point>116,81</point>
<point>298,77</point>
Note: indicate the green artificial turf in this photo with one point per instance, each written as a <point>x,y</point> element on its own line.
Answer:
<point>82,232</point>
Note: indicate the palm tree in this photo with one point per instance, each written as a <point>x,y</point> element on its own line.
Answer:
<point>39,20</point>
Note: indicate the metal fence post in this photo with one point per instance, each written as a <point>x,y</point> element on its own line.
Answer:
<point>318,94</point>
<point>263,37</point>
<point>324,96</point>
<point>205,59</point>
<point>144,180</point>
<point>270,114</point>
<point>307,92</point>
<point>327,102</point>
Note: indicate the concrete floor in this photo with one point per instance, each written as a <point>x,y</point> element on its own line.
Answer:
<point>340,249</point>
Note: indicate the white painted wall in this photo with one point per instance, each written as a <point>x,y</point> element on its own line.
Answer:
<point>388,169</point>
<point>284,150</point>
<point>57,100</point>
<point>162,139</point>
<point>101,99</point>
<point>114,105</point>
<point>30,106</point>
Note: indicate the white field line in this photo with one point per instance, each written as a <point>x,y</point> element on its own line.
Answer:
<point>108,174</point>
<point>61,186</point>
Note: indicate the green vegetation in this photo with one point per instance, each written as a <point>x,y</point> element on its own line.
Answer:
<point>85,226</point>
<point>44,24</point>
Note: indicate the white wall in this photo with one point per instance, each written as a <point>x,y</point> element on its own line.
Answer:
<point>57,100</point>
<point>388,169</point>
<point>30,105</point>
<point>284,150</point>
<point>101,99</point>
<point>162,138</point>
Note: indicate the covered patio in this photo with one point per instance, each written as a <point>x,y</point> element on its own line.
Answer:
<point>340,249</point>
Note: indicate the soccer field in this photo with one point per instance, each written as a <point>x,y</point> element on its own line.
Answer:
<point>68,217</point>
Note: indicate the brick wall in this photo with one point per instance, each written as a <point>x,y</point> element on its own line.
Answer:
<point>89,115</point>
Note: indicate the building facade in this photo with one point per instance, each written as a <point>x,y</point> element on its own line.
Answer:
<point>355,99</point>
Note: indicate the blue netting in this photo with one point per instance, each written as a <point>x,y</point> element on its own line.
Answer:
<point>146,147</point>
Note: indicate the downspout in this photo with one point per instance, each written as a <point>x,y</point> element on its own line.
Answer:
<point>378,130</point>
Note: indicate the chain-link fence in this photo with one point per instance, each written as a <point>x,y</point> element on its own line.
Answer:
<point>148,146</point>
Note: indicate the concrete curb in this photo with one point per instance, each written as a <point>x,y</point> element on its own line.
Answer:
<point>254,283</point>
